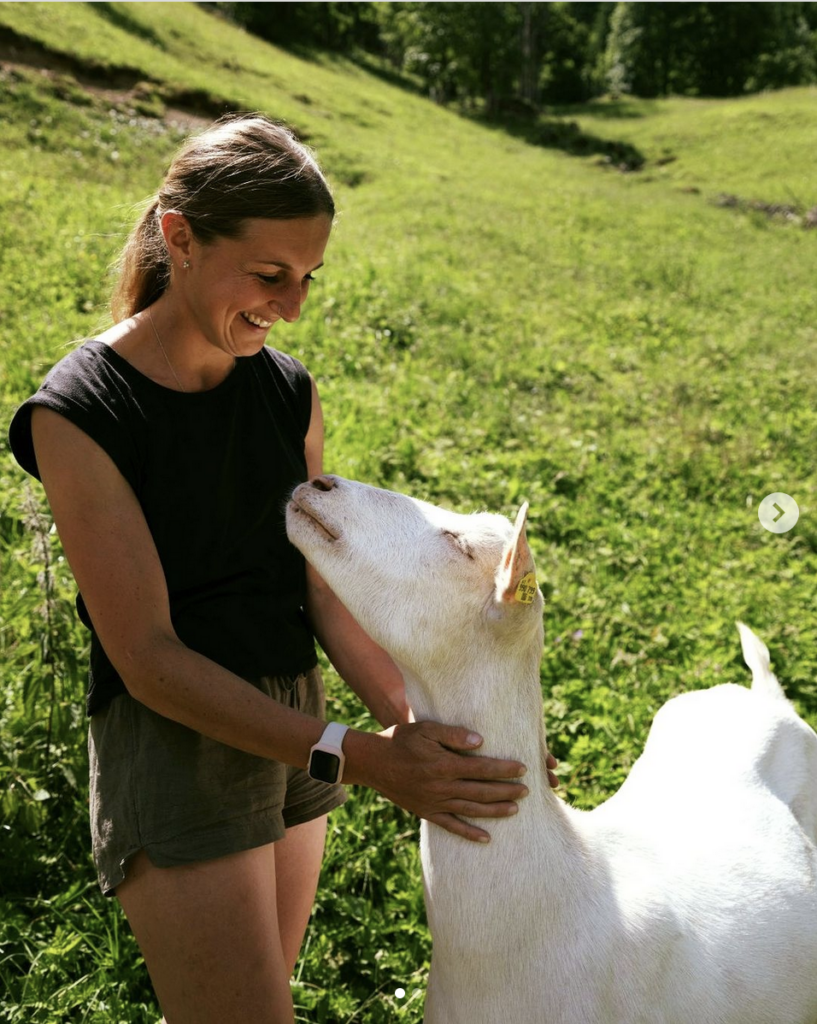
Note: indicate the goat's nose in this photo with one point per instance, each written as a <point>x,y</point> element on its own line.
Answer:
<point>324,483</point>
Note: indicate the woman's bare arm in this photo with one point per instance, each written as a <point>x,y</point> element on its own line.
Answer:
<point>114,560</point>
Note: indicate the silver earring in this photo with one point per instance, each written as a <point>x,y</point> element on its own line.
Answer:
<point>186,264</point>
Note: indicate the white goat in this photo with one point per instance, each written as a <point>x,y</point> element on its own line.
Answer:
<point>690,897</point>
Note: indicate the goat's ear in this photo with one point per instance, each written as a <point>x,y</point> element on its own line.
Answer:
<point>516,576</point>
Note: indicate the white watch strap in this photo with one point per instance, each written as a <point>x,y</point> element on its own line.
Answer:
<point>333,734</point>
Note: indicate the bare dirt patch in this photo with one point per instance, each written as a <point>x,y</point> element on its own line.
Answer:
<point>777,211</point>
<point>119,85</point>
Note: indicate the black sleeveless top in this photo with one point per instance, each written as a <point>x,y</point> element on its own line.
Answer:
<point>212,471</point>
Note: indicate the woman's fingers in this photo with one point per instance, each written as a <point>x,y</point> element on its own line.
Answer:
<point>455,740</point>
<point>469,809</point>
<point>486,799</point>
<point>451,823</point>
<point>436,772</point>
<point>552,764</point>
<point>426,774</point>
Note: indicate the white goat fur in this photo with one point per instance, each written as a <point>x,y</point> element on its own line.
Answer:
<point>689,897</point>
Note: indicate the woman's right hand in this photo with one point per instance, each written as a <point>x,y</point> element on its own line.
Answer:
<point>430,769</point>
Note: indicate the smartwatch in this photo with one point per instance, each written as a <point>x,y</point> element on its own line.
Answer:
<point>326,758</point>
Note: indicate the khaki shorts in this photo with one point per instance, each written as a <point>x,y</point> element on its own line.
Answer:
<point>160,787</point>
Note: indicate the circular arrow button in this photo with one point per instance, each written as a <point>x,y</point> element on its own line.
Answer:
<point>778,512</point>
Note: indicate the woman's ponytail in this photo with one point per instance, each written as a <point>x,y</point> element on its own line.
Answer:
<point>143,266</point>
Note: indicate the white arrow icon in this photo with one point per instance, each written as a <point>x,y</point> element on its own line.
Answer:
<point>785,507</point>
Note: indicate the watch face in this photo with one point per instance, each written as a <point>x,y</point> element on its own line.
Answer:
<point>324,766</point>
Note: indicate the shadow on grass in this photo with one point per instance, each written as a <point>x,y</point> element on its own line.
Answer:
<point>568,136</point>
<point>372,65</point>
<point>623,108</point>
<point>388,74</point>
<point>121,19</point>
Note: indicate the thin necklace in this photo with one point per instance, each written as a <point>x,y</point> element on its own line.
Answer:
<point>161,346</point>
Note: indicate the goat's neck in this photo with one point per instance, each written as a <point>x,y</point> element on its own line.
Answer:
<point>541,845</point>
<point>499,699</point>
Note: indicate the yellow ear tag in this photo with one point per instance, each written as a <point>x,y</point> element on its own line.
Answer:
<point>526,591</point>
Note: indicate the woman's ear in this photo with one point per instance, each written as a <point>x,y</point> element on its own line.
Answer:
<point>178,237</point>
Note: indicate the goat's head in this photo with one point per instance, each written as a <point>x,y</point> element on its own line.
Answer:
<point>428,585</point>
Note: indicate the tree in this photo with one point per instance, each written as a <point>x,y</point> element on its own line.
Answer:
<point>793,59</point>
<point>573,39</point>
<point>643,49</point>
<point>501,57</point>
<point>712,49</point>
<point>462,51</point>
<point>329,26</point>
<point>728,38</point>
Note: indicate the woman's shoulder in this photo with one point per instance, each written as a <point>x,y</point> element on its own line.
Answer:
<point>90,363</point>
<point>87,388</point>
<point>283,362</point>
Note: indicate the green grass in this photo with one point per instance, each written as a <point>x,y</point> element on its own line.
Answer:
<point>760,147</point>
<point>496,322</point>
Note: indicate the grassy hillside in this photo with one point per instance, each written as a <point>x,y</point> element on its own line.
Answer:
<point>755,148</point>
<point>496,321</point>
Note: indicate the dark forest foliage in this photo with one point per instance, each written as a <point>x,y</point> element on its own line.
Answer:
<point>512,56</point>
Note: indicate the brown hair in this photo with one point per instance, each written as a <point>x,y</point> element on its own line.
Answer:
<point>242,166</point>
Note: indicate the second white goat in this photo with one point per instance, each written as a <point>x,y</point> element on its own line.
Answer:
<point>689,897</point>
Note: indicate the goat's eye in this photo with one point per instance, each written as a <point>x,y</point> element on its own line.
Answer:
<point>459,542</point>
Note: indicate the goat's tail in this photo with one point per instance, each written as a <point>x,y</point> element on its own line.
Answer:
<point>756,656</point>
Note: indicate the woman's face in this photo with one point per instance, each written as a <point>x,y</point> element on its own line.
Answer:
<point>236,288</point>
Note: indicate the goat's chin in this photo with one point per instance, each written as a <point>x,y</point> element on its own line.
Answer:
<point>304,523</point>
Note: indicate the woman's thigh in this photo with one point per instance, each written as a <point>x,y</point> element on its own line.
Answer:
<point>298,859</point>
<point>210,937</point>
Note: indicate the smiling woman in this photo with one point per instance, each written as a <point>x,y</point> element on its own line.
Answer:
<point>242,168</point>
<point>225,300</point>
<point>226,247</point>
<point>168,447</point>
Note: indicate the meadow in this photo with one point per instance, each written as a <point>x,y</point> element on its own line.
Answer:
<point>497,321</point>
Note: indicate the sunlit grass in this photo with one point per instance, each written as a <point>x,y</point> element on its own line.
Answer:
<point>756,147</point>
